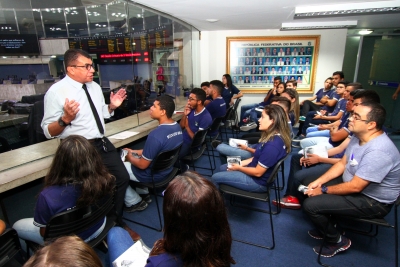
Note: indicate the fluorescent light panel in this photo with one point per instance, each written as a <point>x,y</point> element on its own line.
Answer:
<point>348,9</point>
<point>318,25</point>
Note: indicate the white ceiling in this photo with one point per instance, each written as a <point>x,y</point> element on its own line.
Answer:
<point>258,14</point>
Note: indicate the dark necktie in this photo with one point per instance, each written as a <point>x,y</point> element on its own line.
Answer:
<point>94,111</point>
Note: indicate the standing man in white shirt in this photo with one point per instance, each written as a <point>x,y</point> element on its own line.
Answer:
<point>75,106</point>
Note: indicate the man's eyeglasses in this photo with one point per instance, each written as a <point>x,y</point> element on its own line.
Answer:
<point>192,99</point>
<point>86,66</point>
<point>356,118</point>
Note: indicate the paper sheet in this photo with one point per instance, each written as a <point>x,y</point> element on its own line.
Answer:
<point>123,135</point>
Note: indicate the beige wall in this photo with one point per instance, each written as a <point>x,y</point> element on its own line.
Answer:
<point>213,54</point>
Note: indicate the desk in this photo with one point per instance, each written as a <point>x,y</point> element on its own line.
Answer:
<point>12,119</point>
<point>21,166</point>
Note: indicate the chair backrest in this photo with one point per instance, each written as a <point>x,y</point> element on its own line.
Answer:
<point>165,159</point>
<point>199,138</point>
<point>274,173</point>
<point>236,105</point>
<point>9,245</point>
<point>215,124</point>
<point>35,131</point>
<point>77,220</point>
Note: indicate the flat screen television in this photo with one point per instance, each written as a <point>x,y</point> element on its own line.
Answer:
<point>19,45</point>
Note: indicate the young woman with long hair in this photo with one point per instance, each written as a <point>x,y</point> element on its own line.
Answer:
<point>230,91</point>
<point>196,230</point>
<point>274,144</point>
<point>77,177</point>
<point>294,112</point>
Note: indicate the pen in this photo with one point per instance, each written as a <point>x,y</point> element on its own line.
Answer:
<point>352,157</point>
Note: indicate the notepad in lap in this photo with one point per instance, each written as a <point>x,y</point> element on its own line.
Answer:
<point>135,256</point>
<point>234,142</point>
<point>233,160</point>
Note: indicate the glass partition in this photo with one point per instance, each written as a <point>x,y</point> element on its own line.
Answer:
<point>132,47</point>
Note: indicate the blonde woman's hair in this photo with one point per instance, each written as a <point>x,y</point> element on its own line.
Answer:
<point>295,106</point>
<point>66,251</point>
<point>279,126</point>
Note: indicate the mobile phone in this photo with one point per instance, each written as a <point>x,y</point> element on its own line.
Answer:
<point>319,113</point>
<point>136,155</point>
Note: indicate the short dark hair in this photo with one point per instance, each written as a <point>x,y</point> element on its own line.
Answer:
<point>219,86</point>
<point>200,94</point>
<point>354,92</point>
<point>294,82</point>
<point>282,100</point>
<point>367,96</point>
<point>344,83</point>
<point>278,78</point>
<point>340,73</point>
<point>376,114</point>
<point>71,55</point>
<point>205,84</point>
<point>355,85</point>
<point>166,103</point>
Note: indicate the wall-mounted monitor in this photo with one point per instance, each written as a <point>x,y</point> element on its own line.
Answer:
<point>19,45</point>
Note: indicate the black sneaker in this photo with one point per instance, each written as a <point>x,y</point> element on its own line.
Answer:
<point>215,143</point>
<point>142,205</point>
<point>146,197</point>
<point>314,233</point>
<point>330,249</point>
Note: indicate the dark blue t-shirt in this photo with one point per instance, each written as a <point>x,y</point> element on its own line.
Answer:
<point>344,123</point>
<point>339,107</point>
<point>164,137</point>
<point>333,95</point>
<point>164,260</point>
<point>267,155</point>
<point>321,93</point>
<point>56,199</point>
<point>217,108</point>
<point>227,93</point>
<point>199,121</point>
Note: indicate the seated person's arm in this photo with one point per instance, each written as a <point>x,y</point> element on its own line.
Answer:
<point>140,163</point>
<point>268,95</point>
<point>355,185</point>
<point>331,102</point>
<point>42,230</point>
<point>338,135</point>
<point>339,149</point>
<point>246,148</point>
<point>2,227</point>
<point>313,159</point>
<point>207,102</point>
<point>257,171</point>
<point>330,118</point>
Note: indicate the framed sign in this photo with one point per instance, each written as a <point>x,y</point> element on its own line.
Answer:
<point>254,62</point>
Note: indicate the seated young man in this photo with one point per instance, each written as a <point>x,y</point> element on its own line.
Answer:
<point>196,118</point>
<point>217,107</point>
<point>365,183</point>
<point>167,136</point>
<point>206,87</point>
<point>325,118</point>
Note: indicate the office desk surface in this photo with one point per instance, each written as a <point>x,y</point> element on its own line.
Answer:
<point>21,166</point>
<point>12,119</point>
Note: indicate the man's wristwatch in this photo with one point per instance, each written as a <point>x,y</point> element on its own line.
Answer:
<point>324,189</point>
<point>62,123</point>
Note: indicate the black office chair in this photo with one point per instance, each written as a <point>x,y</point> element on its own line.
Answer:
<point>163,161</point>
<point>372,222</point>
<point>35,131</point>
<point>9,247</point>
<point>78,220</point>
<point>224,128</point>
<point>214,128</point>
<point>197,148</point>
<point>265,197</point>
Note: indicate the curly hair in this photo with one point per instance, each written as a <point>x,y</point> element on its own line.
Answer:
<point>77,162</point>
<point>196,225</point>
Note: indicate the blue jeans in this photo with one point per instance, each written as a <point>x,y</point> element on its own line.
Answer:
<point>314,132</point>
<point>225,150</point>
<point>236,179</point>
<point>310,119</point>
<point>323,141</point>
<point>118,241</point>
<point>245,111</point>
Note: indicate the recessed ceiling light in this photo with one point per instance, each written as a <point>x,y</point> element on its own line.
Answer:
<point>318,25</point>
<point>212,20</point>
<point>363,32</point>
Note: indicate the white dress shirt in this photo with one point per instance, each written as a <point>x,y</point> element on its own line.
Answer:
<point>84,123</point>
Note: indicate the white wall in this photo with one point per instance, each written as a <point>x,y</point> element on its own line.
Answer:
<point>213,54</point>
